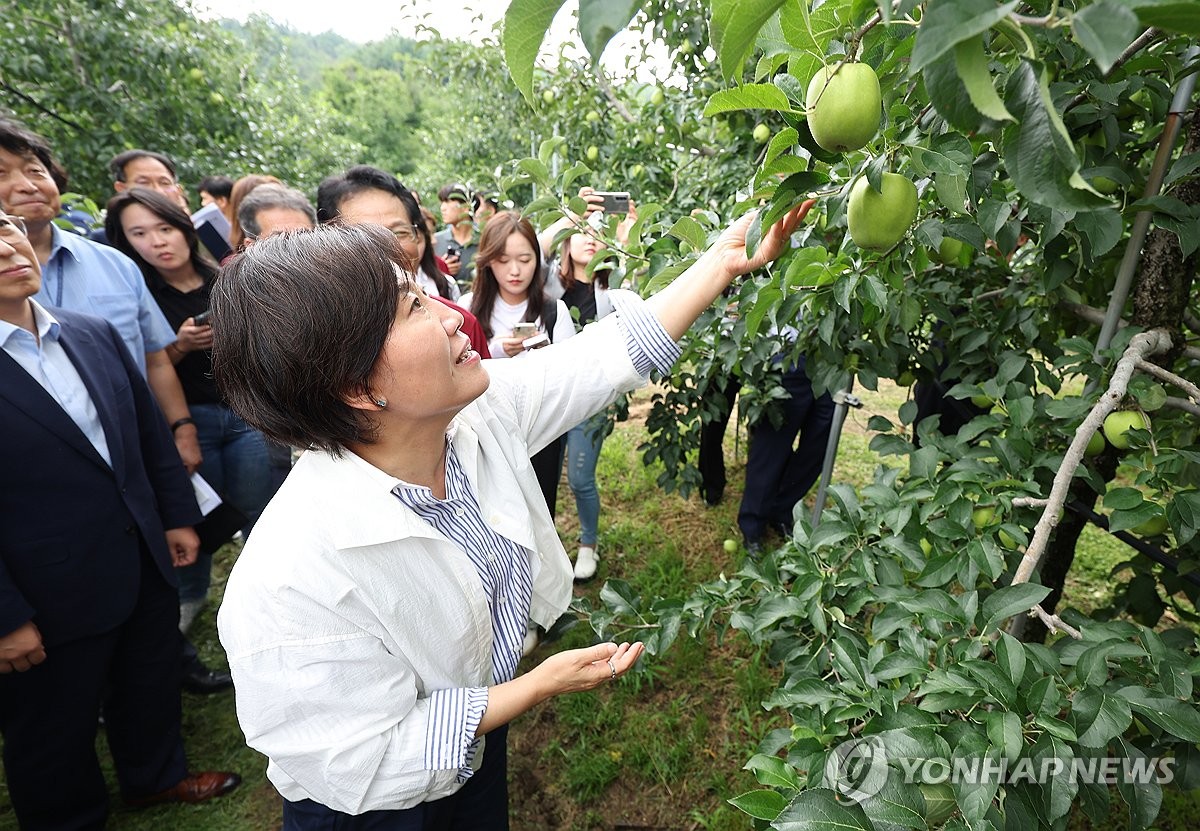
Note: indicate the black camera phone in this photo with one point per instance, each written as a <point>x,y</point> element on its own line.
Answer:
<point>453,249</point>
<point>201,319</point>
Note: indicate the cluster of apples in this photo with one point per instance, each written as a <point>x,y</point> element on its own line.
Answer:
<point>845,107</point>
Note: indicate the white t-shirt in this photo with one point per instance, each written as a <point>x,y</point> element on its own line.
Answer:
<point>427,283</point>
<point>505,316</point>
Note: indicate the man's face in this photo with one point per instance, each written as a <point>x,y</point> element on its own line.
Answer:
<point>275,220</point>
<point>146,172</point>
<point>27,189</point>
<point>207,198</point>
<point>453,211</point>
<point>20,274</point>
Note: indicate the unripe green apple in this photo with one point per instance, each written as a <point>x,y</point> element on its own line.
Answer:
<point>216,98</point>
<point>1006,539</point>
<point>983,402</point>
<point>548,96</point>
<point>1152,527</point>
<point>592,117</point>
<point>1117,425</point>
<point>926,546</point>
<point>592,153</point>
<point>879,220</point>
<point>761,133</point>
<point>983,516</point>
<point>730,546</point>
<point>657,97</point>
<point>636,171</point>
<point>686,48</point>
<point>1095,445</point>
<point>844,106</point>
<point>196,74</point>
<point>1105,185</point>
<point>949,251</point>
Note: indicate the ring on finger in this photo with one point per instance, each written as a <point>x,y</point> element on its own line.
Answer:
<point>612,669</point>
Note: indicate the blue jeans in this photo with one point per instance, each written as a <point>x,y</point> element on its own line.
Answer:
<point>584,442</point>
<point>237,465</point>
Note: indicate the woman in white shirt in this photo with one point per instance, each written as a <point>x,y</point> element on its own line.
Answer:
<point>375,618</point>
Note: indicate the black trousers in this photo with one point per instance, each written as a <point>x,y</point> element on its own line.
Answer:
<point>547,465</point>
<point>49,716</point>
<point>480,805</point>
<point>711,460</point>
<point>778,475</point>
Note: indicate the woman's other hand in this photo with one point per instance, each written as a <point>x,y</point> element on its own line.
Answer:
<point>193,338</point>
<point>577,670</point>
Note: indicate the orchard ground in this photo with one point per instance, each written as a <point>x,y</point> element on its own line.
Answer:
<point>664,748</point>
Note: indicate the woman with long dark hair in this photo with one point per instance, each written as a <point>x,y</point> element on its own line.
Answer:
<point>158,236</point>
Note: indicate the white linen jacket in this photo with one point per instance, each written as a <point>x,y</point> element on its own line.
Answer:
<point>346,610</point>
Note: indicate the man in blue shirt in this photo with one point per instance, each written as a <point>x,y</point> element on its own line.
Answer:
<point>87,277</point>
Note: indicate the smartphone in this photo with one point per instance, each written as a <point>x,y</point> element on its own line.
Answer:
<point>202,318</point>
<point>524,330</point>
<point>615,202</point>
<point>536,341</point>
<point>453,249</point>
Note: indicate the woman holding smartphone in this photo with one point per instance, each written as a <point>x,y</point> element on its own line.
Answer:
<point>509,298</point>
<point>158,236</point>
<point>374,620</point>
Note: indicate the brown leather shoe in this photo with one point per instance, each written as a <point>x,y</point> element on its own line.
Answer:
<point>195,787</point>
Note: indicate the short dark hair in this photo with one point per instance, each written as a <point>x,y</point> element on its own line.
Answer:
<point>168,212</point>
<point>271,196</point>
<point>480,198</point>
<point>119,162</point>
<point>334,190</point>
<point>19,140</point>
<point>457,192</point>
<point>216,186</point>
<point>299,321</point>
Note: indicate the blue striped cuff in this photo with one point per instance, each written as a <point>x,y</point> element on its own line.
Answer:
<point>454,716</point>
<point>647,342</point>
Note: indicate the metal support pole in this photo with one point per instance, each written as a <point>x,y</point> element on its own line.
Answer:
<point>842,401</point>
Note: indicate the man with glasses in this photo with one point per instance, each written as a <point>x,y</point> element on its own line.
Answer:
<point>367,194</point>
<point>96,512</point>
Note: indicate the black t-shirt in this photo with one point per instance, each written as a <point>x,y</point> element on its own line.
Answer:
<point>581,296</point>
<point>195,369</point>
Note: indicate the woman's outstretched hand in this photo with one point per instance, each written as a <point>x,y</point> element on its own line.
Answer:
<point>576,670</point>
<point>729,251</point>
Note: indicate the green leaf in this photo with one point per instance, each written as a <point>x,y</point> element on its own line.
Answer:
<point>1184,515</point>
<point>600,20</point>
<point>1143,798</point>
<point>1008,601</point>
<point>780,142</point>
<point>733,28</point>
<point>1104,29</point>
<point>898,804</point>
<point>760,804</point>
<point>525,26</point>
<point>690,231</point>
<point>1113,717</point>
<point>772,771</point>
<point>620,597</point>
<point>1170,15</point>
<point>898,665</point>
<point>1010,656</point>
<point>1004,732</point>
<point>1185,165</point>
<point>949,95</point>
<point>1123,499</point>
<point>1102,228</point>
<point>1060,790</point>
<point>818,809</point>
<point>972,64</point>
<point>1178,718</point>
<point>949,22</point>
<point>1038,152</point>
<point>747,97</point>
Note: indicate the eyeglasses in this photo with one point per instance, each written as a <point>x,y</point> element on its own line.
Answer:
<point>407,233</point>
<point>12,227</point>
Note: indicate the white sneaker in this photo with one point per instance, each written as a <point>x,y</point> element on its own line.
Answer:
<point>585,563</point>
